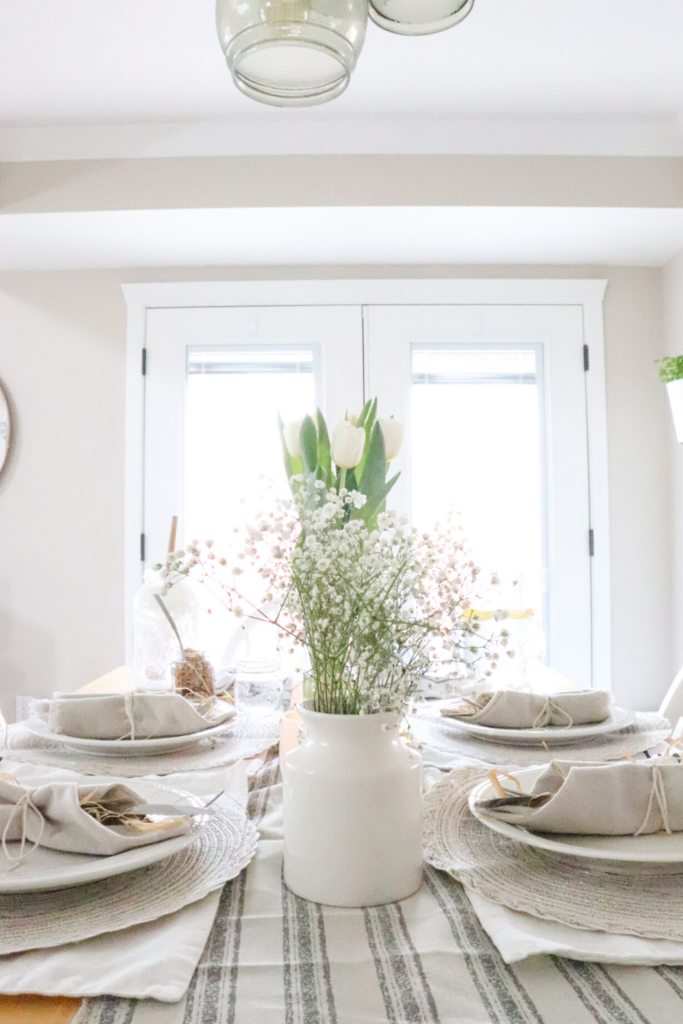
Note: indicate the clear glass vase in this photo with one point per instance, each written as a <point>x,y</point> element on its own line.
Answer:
<point>259,686</point>
<point>291,52</point>
<point>155,647</point>
<point>418,17</point>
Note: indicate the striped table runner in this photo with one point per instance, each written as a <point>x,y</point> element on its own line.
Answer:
<point>273,958</point>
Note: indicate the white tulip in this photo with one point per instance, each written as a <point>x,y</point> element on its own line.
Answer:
<point>347,445</point>
<point>292,431</point>
<point>393,432</point>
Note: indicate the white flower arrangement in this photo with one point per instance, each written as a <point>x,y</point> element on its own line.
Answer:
<point>375,603</point>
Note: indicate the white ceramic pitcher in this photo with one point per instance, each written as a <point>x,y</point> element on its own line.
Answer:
<point>352,811</point>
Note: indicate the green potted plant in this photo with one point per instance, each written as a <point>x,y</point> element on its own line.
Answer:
<point>671,373</point>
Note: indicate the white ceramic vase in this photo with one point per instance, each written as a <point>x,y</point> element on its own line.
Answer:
<point>352,811</point>
<point>675,391</point>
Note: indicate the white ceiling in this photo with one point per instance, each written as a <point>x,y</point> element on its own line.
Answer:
<point>361,235</point>
<point>117,62</point>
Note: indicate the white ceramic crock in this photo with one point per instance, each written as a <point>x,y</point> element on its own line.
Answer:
<point>352,811</point>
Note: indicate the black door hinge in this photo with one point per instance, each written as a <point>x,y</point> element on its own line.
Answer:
<point>586,359</point>
<point>142,547</point>
<point>144,362</point>
<point>591,543</point>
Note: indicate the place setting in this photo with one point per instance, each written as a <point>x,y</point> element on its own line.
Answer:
<point>138,732</point>
<point>515,726</point>
<point>585,855</point>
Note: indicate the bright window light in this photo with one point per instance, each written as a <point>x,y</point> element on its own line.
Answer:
<point>233,449</point>
<point>476,447</point>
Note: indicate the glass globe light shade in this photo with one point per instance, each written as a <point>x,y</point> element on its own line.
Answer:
<point>419,17</point>
<point>291,53</point>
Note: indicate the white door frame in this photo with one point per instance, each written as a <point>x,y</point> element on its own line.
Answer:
<point>585,293</point>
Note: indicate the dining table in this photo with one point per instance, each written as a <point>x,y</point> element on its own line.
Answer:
<point>273,958</point>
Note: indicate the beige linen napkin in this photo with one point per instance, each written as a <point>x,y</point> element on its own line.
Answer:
<point>128,715</point>
<point>596,799</point>
<point>56,815</point>
<point>513,709</point>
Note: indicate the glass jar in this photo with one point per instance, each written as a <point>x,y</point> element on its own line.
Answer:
<point>418,17</point>
<point>155,647</point>
<point>259,686</point>
<point>291,52</point>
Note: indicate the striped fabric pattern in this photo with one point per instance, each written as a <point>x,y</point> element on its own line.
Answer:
<point>273,958</point>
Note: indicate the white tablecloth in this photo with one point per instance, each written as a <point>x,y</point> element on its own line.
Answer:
<point>276,959</point>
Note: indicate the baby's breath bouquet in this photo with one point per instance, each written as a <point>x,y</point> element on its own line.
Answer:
<point>375,603</point>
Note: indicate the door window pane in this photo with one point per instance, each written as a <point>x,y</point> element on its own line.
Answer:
<point>477,445</point>
<point>233,448</point>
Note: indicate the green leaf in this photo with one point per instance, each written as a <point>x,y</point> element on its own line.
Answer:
<point>308,439</point>
<point>287,458</point>
<point>368,424</point>
<point>375,471</point>
<point>373,506</point>
<point>324,456</point>
<point>364,412</point>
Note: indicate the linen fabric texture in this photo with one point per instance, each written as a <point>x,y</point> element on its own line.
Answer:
<point>52,816</point>
<point>514,709</point>
<point>119,716</point>
<point>598,799</point>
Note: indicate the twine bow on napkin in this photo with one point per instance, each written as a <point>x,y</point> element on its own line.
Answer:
<point>626,798</point>
<point>133,715</point>
<point>104,820</point>
<point>515,709</point>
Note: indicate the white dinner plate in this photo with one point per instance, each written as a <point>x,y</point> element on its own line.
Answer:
<point>553,735</point>
<point>626,851</point>
<point>128,748</point>
<point>47,869</point>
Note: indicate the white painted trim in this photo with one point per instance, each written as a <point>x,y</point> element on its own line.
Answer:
<point>596,412</point>
<point>302,134</point>
<point>586,293</point>
<point>134,467</point>
<point>493,291</point>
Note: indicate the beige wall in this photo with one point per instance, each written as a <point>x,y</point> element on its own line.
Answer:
<point>61,502</point>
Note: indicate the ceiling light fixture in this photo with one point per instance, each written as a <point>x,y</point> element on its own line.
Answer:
<point>418,17</point>
<point>297,53</point>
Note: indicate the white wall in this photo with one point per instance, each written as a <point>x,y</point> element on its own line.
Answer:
<point>672,277</point>
<point>61,502</point>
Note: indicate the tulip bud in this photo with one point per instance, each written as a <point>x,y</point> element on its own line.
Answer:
<point>348,443</point>
<point>392,432</point>
<point>292,431</point>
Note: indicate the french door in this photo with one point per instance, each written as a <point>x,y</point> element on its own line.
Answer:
<point>215,382</point>
<point>494,402</point>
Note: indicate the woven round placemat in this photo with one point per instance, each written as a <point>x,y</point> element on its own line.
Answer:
<point>648,729</point>
<point>572,891</point>
<point>37,920</point>
<point>250,736</point>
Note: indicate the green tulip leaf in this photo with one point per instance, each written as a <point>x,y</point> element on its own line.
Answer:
<point>308,439</point>
<point>292,466</point>
<point>364,413</point>
<point>369,413</point>
<point>375,471</point>
<point>324,455</point>
<point>373,506</point>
